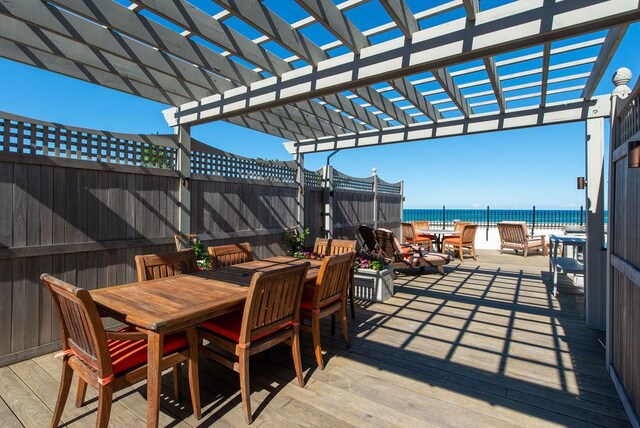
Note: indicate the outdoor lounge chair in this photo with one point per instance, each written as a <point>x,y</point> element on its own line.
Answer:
<point>405,257</point>
<point>514,236</point>
<point>369,240</point>
<point>466,239</point>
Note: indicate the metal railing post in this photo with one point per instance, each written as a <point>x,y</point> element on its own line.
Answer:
<point>374,173</point>
<point>533,222</point>
<point>487,237</point>
<point>444,217</point>
<point>581,214</point>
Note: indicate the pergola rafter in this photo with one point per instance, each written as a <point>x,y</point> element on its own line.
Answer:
<point>211,70</point>
<point>499,28</point>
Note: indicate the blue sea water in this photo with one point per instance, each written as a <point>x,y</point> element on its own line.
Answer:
<point>493,216</point>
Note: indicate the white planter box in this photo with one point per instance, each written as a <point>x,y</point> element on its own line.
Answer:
<point>373,285</point>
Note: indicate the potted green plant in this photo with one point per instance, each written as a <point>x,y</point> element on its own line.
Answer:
<point>294,243</point>
<point>372,278</point>
<point>204,262</point>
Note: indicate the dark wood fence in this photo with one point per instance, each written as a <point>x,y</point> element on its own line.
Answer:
<point>624,248</point>
<point>80,204</point>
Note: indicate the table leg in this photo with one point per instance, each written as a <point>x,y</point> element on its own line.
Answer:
<point>154,376</point>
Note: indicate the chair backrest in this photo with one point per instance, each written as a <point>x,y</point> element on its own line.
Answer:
<point>459,225</point>
<point>468,233</point>
<point>81,329</point>
<point>331,247</point>
<point>369,238</point>
<point>515,232</point>
<point>155,266</point>
<point>421,225</point>
<point>229,255</point>
<point>333,278</point>
<point>183,242</point>
<point>273,300</point>
<point>388,244</point>
<point>408,233</point>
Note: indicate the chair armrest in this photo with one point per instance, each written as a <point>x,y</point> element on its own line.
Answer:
<point>125,335</point>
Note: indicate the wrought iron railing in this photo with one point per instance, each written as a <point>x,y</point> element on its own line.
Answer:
<point>535,219</point>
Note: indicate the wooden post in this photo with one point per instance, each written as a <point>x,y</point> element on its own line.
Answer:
<point>595,253</point>
<point>374,174</point>
<point>327,199</point>
<point>299,159</point>
<point>184,168</point>
<point>620,79</point>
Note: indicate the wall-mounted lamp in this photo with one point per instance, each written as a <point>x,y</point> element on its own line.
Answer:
<point>582,183</point>
<point>633,155</point>
<point>186,182</point>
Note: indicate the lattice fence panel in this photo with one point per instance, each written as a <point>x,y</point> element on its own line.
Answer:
<point>46,139</point>
<point>312,178</point>
<point>344,182</point>
<point>392,188</point>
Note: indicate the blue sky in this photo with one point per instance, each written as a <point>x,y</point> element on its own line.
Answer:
<point>511,169</point>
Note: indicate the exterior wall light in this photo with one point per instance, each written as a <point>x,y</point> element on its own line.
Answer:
<point>582,183</point>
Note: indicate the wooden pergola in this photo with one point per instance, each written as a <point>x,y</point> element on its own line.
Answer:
<point>324,82</point>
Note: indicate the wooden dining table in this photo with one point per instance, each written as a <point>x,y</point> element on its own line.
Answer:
<point>163,306</point>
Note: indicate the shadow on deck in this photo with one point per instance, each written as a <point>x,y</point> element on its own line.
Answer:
<point>484,345</point>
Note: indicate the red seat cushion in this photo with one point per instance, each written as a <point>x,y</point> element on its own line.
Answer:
<point>228,326</point>
<point>307,299</point>
<point>129,354</point>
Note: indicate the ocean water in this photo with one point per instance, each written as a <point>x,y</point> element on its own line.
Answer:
<point>480,216</point>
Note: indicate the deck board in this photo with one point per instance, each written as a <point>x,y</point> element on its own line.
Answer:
<point>485,345</point>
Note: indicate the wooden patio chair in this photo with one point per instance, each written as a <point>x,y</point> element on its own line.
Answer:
<point>327,298</point>
<point>410,236</point>
<point>229,255</point>
<point>466,239</point>
<point>109,360</point>
<point>369,239</point>
<point>514,236</point>
<point>271,315</point>
<point>422,225</point>
<point>405,257</point>
<point>330,247</point>
<point>155,266</point>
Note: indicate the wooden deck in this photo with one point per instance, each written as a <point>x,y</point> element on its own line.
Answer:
<point>485,345</point>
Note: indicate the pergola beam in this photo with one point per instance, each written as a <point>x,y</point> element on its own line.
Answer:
<point>446,81</point>
<point>472,7</point>
<point>259,16</point>
<point>122,19</point>
<point>30,55</point>
<point>546,58</point>
<point>197,22</point>
<point>276,28</point>
<point>577,110</point>
<point>71,26</point>
<point>335,21</point>
<point>612,40</point>
<point>403,17</point>
<point>494,78</point>
<point>509,27</point>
